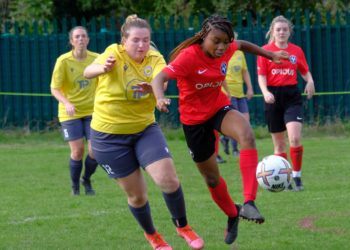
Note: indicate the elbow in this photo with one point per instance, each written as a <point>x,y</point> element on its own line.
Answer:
<point>87,74</point>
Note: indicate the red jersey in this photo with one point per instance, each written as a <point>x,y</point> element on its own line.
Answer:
<point>199,80</point>
<point>285,73</point>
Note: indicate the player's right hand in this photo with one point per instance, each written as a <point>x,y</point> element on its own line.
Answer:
<point>162,104</point>
<point>269,98</point>
<point>70,109</point>
<point>109,63</point>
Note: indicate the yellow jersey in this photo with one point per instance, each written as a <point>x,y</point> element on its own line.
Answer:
<point>68,77</point>
<point>119,107</point>
<point>234,76</point>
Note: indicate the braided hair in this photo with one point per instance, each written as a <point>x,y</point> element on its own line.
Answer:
<point>209,24</point>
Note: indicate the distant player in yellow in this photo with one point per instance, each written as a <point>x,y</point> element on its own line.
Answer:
<point>125,137</point>
<point>75,95</point>
<point>237,75</point>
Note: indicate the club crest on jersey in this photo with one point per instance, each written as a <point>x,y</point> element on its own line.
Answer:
<point>147,71</point>
<point>125,67</point>
<point>223,68</point>
<point>293,59</point>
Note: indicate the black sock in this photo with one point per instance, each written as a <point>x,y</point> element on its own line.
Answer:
<point>75,168</point>
<point>176,205</point>
<point>143,217</point>
<point>90,167</point>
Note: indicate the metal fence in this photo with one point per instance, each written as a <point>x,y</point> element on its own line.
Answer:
<point>29,51</point>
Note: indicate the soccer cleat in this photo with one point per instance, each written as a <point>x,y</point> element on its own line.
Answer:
<point>231,230</point>
<point>88,188</point>
<point>190,236</point>
<point>219,159</point>
<point>75,190</point>
<point>290,187</point>
<point>157,242</point>
<point>235,153</point>
<point>298,184</point>
<point>224,141</point>
<point>250,212</point>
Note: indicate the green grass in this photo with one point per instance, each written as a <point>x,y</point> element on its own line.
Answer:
<point>38,212</point>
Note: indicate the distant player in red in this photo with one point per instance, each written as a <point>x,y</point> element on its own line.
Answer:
<point>200,64</point>
<point>283,101</point>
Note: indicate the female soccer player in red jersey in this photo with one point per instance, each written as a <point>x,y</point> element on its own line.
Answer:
<point>199,64</point>
<point>283,102</point>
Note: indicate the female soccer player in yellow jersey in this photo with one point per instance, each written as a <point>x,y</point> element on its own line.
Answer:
<point>125,136</point>
<point>75,95</point>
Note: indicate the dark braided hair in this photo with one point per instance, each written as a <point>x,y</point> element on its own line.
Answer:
<point>212,22</point>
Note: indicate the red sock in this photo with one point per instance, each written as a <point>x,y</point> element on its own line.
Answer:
<point>222,198</point>
<point>296,155</point>
<point>284,155</point>
<point>216,142</point>
<point>248,161</point>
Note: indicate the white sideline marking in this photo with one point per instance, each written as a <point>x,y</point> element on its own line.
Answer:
<point>55,217</point>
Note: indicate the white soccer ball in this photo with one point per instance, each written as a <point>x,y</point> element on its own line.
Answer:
<point>274,173</point>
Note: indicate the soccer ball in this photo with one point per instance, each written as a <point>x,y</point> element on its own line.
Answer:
<point>274,173</point>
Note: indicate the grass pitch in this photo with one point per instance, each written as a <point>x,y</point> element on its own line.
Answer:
<point>38,212</point>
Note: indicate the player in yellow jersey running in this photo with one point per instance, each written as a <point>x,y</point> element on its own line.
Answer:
<point>125,136</point>
<point>75,95</point>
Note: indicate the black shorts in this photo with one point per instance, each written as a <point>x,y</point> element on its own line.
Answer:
<point>121,154</point>
<point>200,138</point>
<point>76,129</point>
<point>288,107</point>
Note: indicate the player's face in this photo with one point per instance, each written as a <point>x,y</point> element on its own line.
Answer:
<point>281,32</point>
<point>79,39</point>
<point>216,43</point>
<point>137,43</point>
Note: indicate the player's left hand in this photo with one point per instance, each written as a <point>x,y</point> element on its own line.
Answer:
<point>144,87</point>
<point>162,104</point>
<point>309,89</point>
<point>279,55</point>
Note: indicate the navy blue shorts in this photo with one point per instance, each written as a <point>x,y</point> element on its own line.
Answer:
<point>121,154</point>
<point>240,104</point>
<point>76,129</point>
<point>288,107</point>
<point>201,139</point>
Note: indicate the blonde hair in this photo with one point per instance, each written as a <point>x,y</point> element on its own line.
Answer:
<point>278,19</point>
<point>133,21</point>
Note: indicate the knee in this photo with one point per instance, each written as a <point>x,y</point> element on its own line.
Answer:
<point>168,183</point>
<point>295,141</point>
<point>137,200</point>
<point>247,140</point>
<point>77,153</point>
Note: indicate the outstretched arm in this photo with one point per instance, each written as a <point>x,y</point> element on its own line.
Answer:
<point>95,69</point>
<point>158,86</point>
<point>255,49</point>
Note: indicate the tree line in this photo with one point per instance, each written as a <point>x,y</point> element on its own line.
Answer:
<point>47,10</point>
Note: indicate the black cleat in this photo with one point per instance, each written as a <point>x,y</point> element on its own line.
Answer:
<point>231,231</point>
<point>219,159</point>
<point>250,212</point>
<point>88,188</point>
<point>75,191</point>
<point>298,184</point>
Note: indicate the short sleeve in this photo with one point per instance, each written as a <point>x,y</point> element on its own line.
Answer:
<point>57,75</point>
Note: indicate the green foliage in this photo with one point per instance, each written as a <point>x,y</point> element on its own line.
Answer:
<point>21,10</point>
